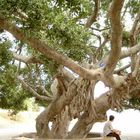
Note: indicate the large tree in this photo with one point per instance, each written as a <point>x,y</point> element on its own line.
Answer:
<point>61,49</point>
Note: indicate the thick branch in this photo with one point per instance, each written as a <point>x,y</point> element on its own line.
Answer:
<point>133,38</point>
<point>25,59</point>
<point>48,52</point>
<point>130,51</point>
<point>40,97</point>
<point>94,15</point>
<point>116,41</point>
<point>46,93</point>
<point>124,53</point>
<point>135,72</point>
<point>59,103</point>
<point>134,29</point>
<point>116,35</point>
<point>121,69</point>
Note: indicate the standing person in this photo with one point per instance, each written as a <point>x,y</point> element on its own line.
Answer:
<point>108,130</point>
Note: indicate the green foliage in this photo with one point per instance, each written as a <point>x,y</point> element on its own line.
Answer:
<point>134,102</point>
<point>70,41</point>
<point>59,23</point>
<point>12,96</point>
<point>53,23</point>
<point>5,55</point>
<point>126,39</point>
<point>133,7</point>
<point>31,105</point>
<point>104,5</point>
<point>80,7</point>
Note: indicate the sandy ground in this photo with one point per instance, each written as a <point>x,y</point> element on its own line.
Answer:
<point>25,123</point>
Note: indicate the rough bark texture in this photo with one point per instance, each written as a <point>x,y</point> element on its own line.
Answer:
<point>68,98</point>
<point>95,112</point>
<point>61,124</point>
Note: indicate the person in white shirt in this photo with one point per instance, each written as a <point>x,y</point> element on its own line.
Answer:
<point>109,131</point>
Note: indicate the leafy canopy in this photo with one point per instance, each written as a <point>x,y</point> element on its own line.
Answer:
<point>59,23</point>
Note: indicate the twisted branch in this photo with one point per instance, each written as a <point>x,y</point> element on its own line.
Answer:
<point>94,14</point>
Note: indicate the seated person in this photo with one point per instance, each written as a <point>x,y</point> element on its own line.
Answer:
<point>108,130</point>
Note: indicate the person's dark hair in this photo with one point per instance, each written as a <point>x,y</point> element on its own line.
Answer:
<point>111,117</point>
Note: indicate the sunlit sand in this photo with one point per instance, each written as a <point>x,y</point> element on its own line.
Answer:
<point>13,129</point>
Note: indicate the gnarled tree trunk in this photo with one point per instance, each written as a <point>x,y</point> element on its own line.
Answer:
<point>94,110</point>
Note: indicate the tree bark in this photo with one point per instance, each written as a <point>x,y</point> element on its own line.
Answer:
<point>95,112</point>
<point>111,99</point>
<point>90,117</point>
<point>94,14</point>
<point>116,35</point>
<point>61,124</point>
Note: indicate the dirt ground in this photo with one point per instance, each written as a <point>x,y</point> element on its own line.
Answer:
<point>10,127</point>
